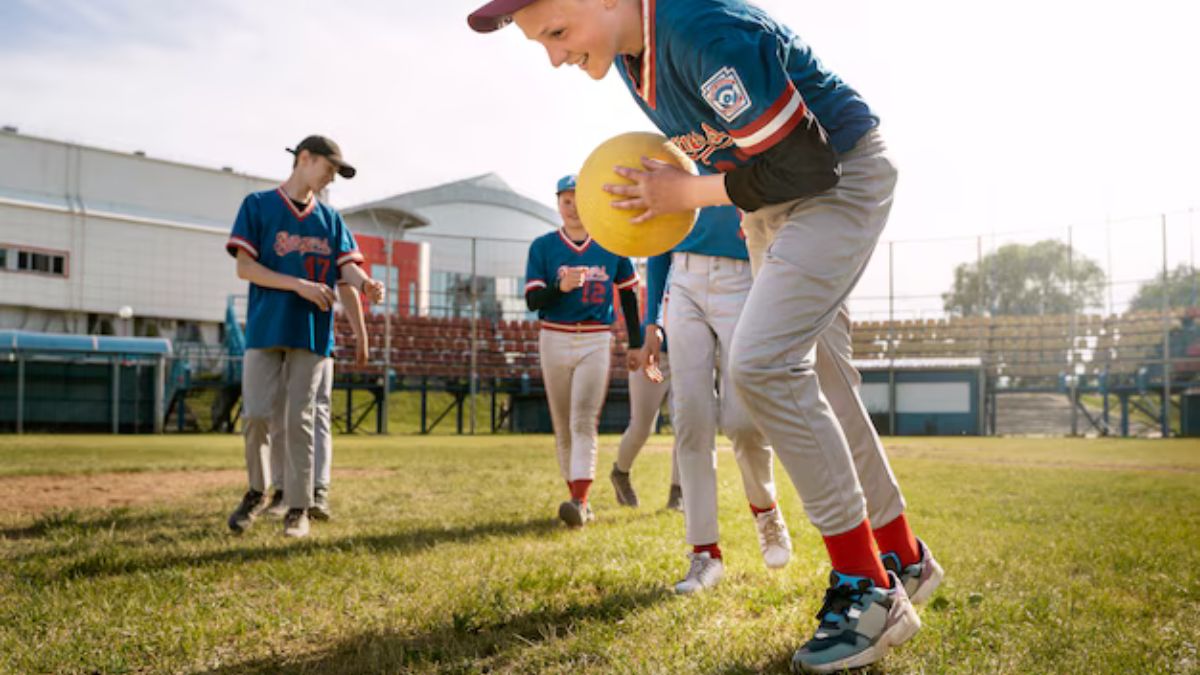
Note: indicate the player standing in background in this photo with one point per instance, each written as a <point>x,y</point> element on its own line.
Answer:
<point>786,140</point>
<point>569,282</point>
<point>293,250</point>
<point>322,419</point>
<point>649,386</point>
<point>710,279</point>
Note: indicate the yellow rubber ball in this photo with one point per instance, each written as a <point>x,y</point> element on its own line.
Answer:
<point>611,227</point>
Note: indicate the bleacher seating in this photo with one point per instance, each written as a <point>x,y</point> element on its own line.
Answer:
<point>1029,348</point>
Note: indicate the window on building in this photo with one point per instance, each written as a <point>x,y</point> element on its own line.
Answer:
<point>37,262</point>
<point>3,258</point>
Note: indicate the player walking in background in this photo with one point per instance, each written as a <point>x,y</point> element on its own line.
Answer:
<point>786,140</point>
<point>710,279</point>
<point>569,282</point>
<point>293,250</point>
<point>322,419</point>
<point>649,386</point>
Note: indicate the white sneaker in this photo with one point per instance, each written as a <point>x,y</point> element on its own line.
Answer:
<point>295,523</point>
<point>705,571</point>
<point>773,538</point>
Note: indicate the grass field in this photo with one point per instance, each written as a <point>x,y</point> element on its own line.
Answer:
<point>1062,556</point>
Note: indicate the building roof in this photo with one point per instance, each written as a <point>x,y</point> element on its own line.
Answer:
<point>965,363</point>
<point>483,189</point>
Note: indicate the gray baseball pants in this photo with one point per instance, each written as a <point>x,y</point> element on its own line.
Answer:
<point>266,375</point>
<point>791,349</point>
<point>322,434</point>
<point>707,295</point>
<point>645,403</point>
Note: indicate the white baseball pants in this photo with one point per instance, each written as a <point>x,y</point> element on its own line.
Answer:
<point>707,295</point>
<point>575,374</point>
<point>791,349</point>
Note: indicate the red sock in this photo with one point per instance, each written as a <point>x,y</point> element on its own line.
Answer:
<point>896,537</point>
<point>755,510</point>
<point>580,489</point>
<point>712,549</point>
<point>855,553</point>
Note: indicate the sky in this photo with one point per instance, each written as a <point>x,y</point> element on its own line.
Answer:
<point>1010,121</point>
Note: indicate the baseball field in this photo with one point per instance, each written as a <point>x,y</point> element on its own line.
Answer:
<point>445,555</point>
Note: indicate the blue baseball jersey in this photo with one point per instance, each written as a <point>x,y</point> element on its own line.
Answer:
<point>590,307</point>
<point>311,244</point>
<point>726,82</point>
<point>718,233</point>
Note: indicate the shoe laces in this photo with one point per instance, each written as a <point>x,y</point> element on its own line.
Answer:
<point>838,599</point>
<point>699,564</point>
<point>771,529</point>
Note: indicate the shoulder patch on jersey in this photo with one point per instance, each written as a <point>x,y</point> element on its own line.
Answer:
<point>726,94</point>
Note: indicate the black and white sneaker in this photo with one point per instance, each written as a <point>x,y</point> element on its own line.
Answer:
<point>243,517</point>
<point>277,507</point>
<point>320,506</point>
<point>626,495</point>
<point>295,523</point>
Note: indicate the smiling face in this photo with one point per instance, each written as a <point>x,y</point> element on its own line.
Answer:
<point>585,33</point>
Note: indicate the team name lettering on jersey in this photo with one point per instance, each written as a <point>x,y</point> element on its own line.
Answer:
<point>293,243</point>
<point>593,273</point>
<point>701,146</point>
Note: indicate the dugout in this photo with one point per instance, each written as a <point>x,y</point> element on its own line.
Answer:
<point>530,413</point>
<point>59,382</point>
<point>925,397</point>
<point>1189,413</point>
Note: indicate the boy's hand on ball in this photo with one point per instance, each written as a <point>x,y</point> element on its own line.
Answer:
<point>660,188</point>
<point>318,294</point>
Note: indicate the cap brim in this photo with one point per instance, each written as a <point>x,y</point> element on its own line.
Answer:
<point>344,169</point>
<point>495,14</point>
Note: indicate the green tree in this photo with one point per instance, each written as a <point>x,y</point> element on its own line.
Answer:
<point>1025,279</point>
<point>1183,290</point>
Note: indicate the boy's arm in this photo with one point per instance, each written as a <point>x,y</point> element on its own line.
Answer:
<point>354,275</point>
<point>352,305</point>
<point>258,274</point>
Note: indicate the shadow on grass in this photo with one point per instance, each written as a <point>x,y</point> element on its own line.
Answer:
<point>115,520</point>
<point>106,564</point>
<point>466,643</point>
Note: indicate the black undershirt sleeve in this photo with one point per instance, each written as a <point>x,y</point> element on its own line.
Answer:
<point>541,298</point>
<point>802,164</point>
<point>633,325</point>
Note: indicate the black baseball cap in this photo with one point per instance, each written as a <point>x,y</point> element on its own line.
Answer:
<point>325,147</point>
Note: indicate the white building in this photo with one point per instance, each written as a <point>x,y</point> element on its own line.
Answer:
<point>85,232</point>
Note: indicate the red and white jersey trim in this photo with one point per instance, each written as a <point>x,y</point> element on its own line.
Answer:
<point>350,257</point>
<point>580,327</point>
<point>238,242</point>
<point>578,248</point>
<point>631,282</point>
<point>775,123</point>
<point>300,215</point>
<point>534,284</point>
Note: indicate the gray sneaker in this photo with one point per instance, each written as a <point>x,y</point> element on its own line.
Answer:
<point>575,513</point>
<point>278,507</point>
<point>253,503</point>
<point>295,523</point>
<point>703,572</point>
<point>920,579</point>
<point>859,623</point>
<point>626,495</point>
<point>773,538</point>
<point>675,499</point>
<point>320,506</point>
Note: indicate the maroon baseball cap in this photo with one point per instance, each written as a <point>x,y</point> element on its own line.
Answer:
<point>495,15</point>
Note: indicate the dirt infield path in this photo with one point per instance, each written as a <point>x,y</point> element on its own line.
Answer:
<point>38,494</point>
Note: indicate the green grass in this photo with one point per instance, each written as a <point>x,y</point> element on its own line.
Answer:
<point>1062,556</point>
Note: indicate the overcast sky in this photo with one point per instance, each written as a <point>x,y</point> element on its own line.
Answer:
<point>1017,116</point>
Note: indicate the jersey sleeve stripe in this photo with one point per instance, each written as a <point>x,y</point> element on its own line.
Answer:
<point>631,282</point>
<point>782,116</point>
<point>350,257</point>
<point>533,284</point>
<point>235,243</point>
